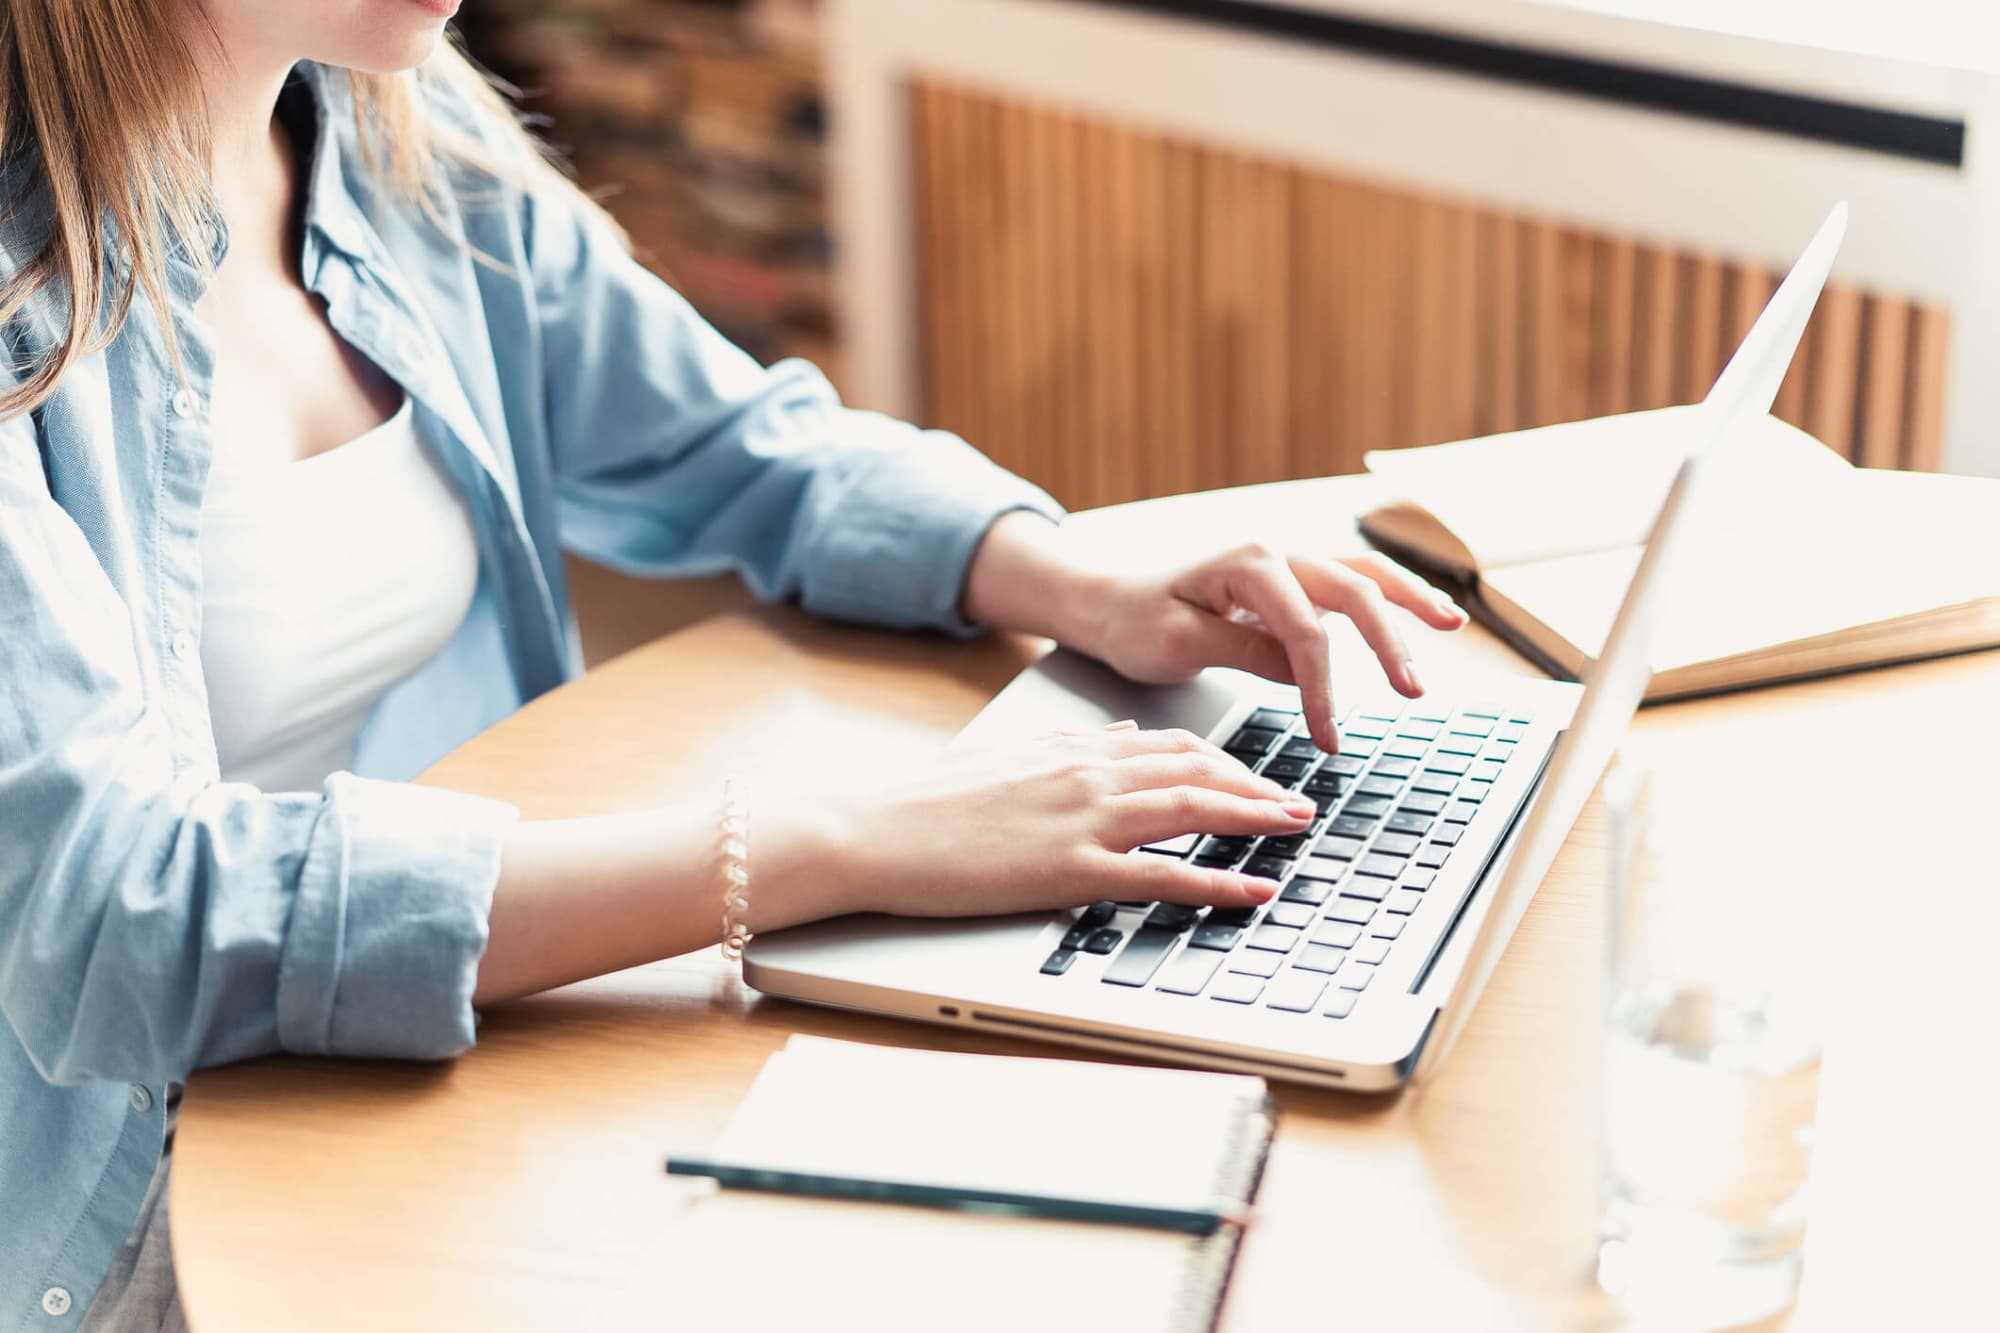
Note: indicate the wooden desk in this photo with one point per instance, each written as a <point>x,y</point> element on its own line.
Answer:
<point>520,1187</point>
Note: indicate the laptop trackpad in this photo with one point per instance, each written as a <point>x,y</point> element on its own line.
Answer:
<point>1068,691</point>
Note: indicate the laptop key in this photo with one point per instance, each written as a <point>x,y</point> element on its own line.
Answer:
<point>1347,825</point>
<point>1403,902</point>
<point>1180,846</point>
<point>1103,940</point>
<point>1432,780</point>
<point>1414,822</point>
<point>1099,914</point>
<point>1377,784</point>
<point>1311,892</point>
<point>1354,976</point>
<point>1254,739</point>
<point>1338,845</point>
<point>1237,988</point>
<point>1256,964</point>
<point>1425,802</point>
<point>1278,719</point>
<point>1369,887</point>
<point>1285,772</point>
<point>1299,747</point>
<point>1230,916</point>
<point>1458,747</point>
<point>1340,1003</point>
<point>1225,849</point>
<point>1473,791</point>
<point>1075,936</point>
<point>1468,725</point>
<point>1174,917</point>
<point>1433,855</point>
<point>1189,972</point>
<point>1141,956</point>
<point>1419,879</point>
<point>1454,764</point>
<point>1371,951</point>
<point>1379,864</point>
<point>1394,768</point>
<point>1294,915</point>
<point>1346,764</point>
<point>1366,807</point>
<point>1461,812</point>
<point>1295,991</point>
<point>1215,939</point>
<point>1396,844</point>
<point>1416,730</point>
<point>1058,962</point>
<point>1267,867</point>
<point>1287,847</point>
<point>1510,733</point>
<point>1337,934</point>
<point>1274,939</point>
<point>1401,748</point>
<point>1359,747</point>
<point>1447,835</point>
<point>1355,911</point>
<point>1319,958</point>
<point>1387,927</point>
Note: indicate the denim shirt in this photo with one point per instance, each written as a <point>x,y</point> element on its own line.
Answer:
<point>154,919</point>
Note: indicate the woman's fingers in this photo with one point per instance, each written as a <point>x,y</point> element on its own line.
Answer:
<point>1408,591</point>
<point>1148,772</point>
<point>1256,580</point>
<point>1147,878</point>
<point>1357,597</point>
<point>1140,817</point>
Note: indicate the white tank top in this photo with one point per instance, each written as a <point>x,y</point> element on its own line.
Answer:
<point>324,582</point>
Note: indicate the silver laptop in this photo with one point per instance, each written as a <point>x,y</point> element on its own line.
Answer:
<point>1438,820</point>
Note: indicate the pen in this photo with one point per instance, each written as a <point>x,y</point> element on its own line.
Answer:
<point>1195,1221</point>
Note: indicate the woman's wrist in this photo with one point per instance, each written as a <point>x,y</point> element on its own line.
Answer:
<point>1029,575</point>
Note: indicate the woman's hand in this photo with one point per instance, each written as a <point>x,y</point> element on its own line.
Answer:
<point>1248,606</point>
<point>1044,824</point>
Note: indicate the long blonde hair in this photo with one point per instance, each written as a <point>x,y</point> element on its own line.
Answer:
<point>100,108</point>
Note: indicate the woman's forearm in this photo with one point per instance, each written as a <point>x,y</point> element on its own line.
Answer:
<point>581,897</point>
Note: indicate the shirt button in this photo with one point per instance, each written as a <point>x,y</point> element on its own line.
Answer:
<point>182,645</point>
<point>184,403</point>
<point>55,1301</point>
<point>141,1098</point>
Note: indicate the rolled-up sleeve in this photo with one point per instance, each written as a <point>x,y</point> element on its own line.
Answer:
<point>676,453</point>
<point>154,921</point>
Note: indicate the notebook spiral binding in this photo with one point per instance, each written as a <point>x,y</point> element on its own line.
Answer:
<point>1197,1305</point>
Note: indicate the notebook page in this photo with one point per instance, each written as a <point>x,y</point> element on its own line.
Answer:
<point>749,1263</point>
<point>985,1122</point>
<point>1876,547</point>
<point>1587,485</point>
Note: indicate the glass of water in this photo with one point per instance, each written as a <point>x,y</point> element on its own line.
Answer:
<point>1711,1067</point>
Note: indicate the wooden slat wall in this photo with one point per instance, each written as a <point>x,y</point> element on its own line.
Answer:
<point>1118,314</point>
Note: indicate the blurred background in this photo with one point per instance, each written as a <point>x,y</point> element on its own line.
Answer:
<point>1132,248</point>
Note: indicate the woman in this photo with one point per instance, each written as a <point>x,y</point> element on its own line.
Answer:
<point>316,368</point>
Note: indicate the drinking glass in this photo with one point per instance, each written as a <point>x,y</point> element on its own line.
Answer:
<point>1711,1066</point>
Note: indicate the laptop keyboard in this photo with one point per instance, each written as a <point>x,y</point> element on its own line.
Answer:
<point>1392,806</point>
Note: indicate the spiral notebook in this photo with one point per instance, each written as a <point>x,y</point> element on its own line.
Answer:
<point>1168,1142</point>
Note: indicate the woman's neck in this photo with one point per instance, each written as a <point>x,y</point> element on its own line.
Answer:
<point>252,168</point>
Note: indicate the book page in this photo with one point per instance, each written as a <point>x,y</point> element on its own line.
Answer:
<point>1042,1126</point>
<point>1587,485</point>
<point>1759,572</point>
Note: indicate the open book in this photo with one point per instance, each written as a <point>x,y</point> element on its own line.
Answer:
<point>766,1258</point>
<point>1796,563</point>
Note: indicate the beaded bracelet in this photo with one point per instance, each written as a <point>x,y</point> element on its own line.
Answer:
<point>734,853</point>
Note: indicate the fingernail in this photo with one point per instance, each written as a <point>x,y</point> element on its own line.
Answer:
<point>1260,890</point>
<point>1410,681</point>
<point>1302,808</point>
<point>1123,724</point>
